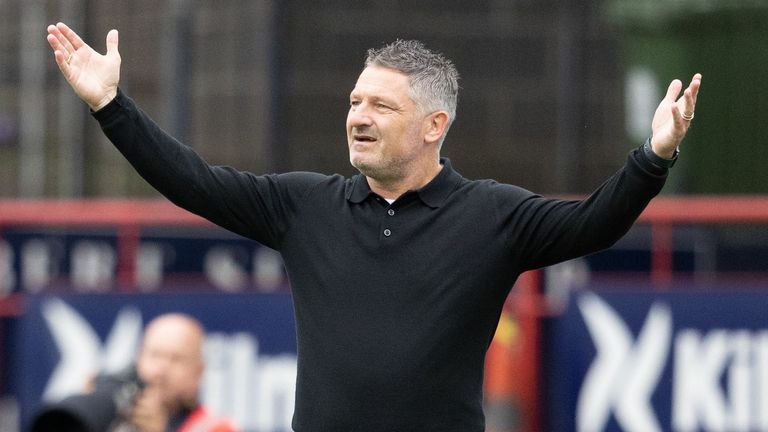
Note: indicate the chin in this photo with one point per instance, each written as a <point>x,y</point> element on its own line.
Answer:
<point>365,169</point>
<point>360,162</point>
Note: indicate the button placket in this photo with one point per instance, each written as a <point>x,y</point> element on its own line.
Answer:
<point>387,232</point>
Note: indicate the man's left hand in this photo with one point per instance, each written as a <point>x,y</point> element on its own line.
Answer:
<point>673,117</point>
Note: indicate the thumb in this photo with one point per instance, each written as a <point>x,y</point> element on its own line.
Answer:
<point>112,41</point>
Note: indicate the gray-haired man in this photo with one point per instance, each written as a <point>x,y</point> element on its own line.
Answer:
<point>398,274</point>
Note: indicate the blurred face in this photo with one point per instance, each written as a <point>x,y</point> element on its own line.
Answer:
<point>384,127</point>
<point>171,360</point>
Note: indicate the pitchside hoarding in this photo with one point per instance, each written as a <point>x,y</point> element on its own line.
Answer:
<point>85,260</point>
<point>682,360</point>
<point>250,349</point>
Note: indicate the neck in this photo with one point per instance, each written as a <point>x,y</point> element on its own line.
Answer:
<point>413,180</point>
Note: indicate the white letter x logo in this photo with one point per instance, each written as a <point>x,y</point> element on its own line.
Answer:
<point>82,353</point>
<point>622,378</point>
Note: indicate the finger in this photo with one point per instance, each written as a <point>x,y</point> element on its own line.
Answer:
<point>60,39</point>
<point>59,53</point>
<point>689,104</point>
<point>54,42</point>
<point>52,32</point>
<point>689,96</point>
<point>64,38</point>
<point>677,118</point>
<point>72,39</point>
<point>694,87</point>
<point>673,90</point>
<point>61,60</point>
<point>112,42</point>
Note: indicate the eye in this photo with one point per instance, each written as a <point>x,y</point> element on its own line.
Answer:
<point>354,103</point>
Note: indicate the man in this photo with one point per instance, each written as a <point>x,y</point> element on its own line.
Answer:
<point>398,274</point>
<point>159,395</point>
<point>170,364</point>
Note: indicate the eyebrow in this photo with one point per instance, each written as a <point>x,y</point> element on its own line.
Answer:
<point>374,98</point>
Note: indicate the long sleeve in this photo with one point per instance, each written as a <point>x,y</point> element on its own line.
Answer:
<point>257,207</point>
<point>546,231</point>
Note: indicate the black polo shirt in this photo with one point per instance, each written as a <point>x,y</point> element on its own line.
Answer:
<point>395,304</point>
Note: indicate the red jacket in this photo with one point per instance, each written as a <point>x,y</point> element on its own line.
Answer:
<point>201,420</point>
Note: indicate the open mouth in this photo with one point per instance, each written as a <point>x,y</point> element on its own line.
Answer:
<point>364,138</point>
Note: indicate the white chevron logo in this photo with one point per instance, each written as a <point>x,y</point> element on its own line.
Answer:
<point>623,376</point>
<point>82,353</point>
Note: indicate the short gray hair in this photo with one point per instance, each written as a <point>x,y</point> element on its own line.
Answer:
<point>434,80</point>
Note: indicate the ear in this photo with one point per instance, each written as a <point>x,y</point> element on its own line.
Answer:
<point>435,125</point>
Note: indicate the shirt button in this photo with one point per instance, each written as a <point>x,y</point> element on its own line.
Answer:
<point>387,232</point>
<point>391,212</point>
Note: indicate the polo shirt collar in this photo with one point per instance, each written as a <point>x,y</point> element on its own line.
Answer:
<point>433,194</point>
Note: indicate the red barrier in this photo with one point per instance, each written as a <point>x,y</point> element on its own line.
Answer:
<point>665,212</point>
<point>126,216</point>
<point>98,212</point>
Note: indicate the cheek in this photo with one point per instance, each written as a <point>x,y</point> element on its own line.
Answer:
<point>147,371</point>
<point>409,138</point>
<point>185,377</point>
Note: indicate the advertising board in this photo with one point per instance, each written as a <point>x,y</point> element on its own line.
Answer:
<point>250,349</point>
<point>683,360</point>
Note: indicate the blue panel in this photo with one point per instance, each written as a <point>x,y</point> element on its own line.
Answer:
<point>637,359</point>
<point>264,321</point>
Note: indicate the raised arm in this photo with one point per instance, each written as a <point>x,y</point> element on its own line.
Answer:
<point>568,229</point>
<point>93,77</point>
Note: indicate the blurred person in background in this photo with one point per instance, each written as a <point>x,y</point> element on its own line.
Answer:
<point>170,365</point>
<point>160,393</point>
<point>398,274</point>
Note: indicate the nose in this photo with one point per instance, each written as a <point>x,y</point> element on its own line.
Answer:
<point>358,116</point>
<point>154,369</point>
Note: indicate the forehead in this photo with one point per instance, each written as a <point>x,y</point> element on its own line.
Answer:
<point>171,337</point>
<point>382,82</point>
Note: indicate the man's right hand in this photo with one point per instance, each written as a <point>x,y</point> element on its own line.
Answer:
<point>149,413</point>
<point>93,76</point>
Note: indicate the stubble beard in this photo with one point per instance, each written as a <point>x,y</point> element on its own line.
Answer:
<point>385,171</point>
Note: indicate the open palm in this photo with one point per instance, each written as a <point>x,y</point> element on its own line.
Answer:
<point>94,77</point>
<point>673,116</point>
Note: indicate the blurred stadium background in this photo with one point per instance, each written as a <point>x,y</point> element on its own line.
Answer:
<point>667,330</point>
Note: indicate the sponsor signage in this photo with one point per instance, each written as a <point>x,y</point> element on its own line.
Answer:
<point>678,360</point>
<point>44,259</point>
<point>250,349</point>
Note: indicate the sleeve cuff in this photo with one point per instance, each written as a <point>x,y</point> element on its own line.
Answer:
<point>110,109</point>
<point>656,160</point>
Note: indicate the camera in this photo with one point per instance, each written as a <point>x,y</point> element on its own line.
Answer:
<point>98,411</point>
